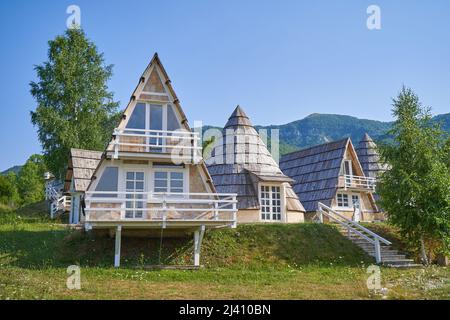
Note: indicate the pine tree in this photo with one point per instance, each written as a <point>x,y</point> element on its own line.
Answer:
<point>415,192</point>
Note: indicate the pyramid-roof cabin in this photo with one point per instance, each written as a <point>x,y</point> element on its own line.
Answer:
<point>240,161</point>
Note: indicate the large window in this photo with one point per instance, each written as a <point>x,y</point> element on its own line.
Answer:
<point>137,119</point>
<point>151,116</point>
<point>156,117</point>
<point>270,201</point>
<point>108,182</point>
<point>169,181</point>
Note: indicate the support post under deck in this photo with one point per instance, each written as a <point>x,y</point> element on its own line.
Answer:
<point>117,247</point>
<point>198,238</point>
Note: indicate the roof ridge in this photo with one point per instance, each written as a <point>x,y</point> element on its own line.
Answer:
<point>317,146</point>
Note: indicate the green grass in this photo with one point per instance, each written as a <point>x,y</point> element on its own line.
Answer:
<point>270,261</point>
<point>265,246</point>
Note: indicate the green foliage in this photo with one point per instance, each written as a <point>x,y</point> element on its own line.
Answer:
<point>74,107</point>
<point>446,153</point>
<point>207,146</point>
<point>8,189</point>
<point>25,187</point>
<point>30,181</point>
<point>415,192</point>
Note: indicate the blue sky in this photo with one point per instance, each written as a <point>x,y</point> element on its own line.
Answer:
<point>280,60</point>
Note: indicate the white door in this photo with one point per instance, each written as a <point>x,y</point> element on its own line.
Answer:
<point>356,208</point>
<point>136,201</point>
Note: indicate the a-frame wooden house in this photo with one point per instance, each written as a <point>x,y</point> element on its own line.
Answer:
<point>241,163</point>
<point>331,174</point>
<point>152,175</point>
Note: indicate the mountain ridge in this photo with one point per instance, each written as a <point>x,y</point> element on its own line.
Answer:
<point>318,128</point>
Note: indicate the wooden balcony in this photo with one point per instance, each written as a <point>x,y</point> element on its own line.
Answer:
<point>357,183</point>
<point>159,210</point>
<point>180,146</point>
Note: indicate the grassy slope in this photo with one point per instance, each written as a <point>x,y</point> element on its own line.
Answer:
<point>265,246</point>
<point>306,261</point>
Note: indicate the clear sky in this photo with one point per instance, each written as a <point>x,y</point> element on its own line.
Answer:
<point>280,60</point>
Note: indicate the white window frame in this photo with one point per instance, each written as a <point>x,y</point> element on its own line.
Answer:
<point>348,206</point>
<point>282,203</point>
<point>350,166</point>
<point>99,174</point>
<point>184,171</point>
<point>350,196</point>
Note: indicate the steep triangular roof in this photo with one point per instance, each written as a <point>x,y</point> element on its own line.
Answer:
<point>238,118</point>
<point>154,78</point>
<point>155,82</point>
<point>369,157</point>
<point>240,159</point>
<point>316,171</point>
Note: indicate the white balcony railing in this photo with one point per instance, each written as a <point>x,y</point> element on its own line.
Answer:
<point>357,182</point>
<point>58,201</point>
<point>179,143</point>
<point>160,207</point>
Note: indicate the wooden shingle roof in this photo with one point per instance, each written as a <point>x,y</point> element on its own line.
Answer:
<point>369,157</point>
<point>240,159</point>
<point>316,172</point>
<point>82,165</point>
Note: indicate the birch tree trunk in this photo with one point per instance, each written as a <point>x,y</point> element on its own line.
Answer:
<point>423,252</point>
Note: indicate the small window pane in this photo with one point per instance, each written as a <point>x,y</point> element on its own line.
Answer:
<point>176,184</point>
<point>161,183</point>
<point>160,175</point>
<point>129,214</point>
<point>139,176</point>
<point>130,185</point>
<point>139,186</point>
<point>130,175</point>
<point>177,175</point>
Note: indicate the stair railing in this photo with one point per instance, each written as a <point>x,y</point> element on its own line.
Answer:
<point>354,227</point>
<point>57,200</point>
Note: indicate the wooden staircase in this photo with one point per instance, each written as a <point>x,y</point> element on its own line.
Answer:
<point>373,244</point>
<point>389,257</point>
<point>59,203</point>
